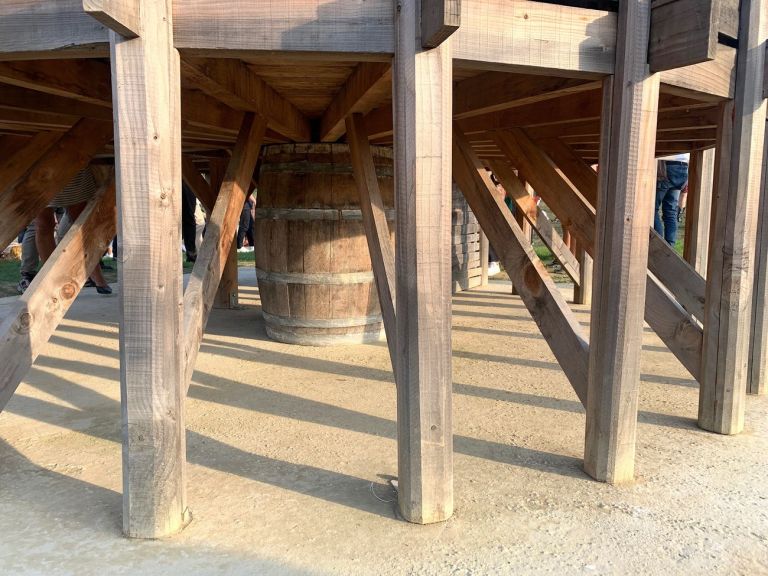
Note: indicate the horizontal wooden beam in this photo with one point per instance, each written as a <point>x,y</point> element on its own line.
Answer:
<point>683,33</point>
<point>33,318</point>
<point>496,91</point>
<point>712,81</point>
<point>122,16</point>
<point>84,80</point>
<point>439,19</point>
<point>367,86</point>
<point>235,84</point>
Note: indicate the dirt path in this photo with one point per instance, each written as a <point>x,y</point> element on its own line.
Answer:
<point>290,447</point>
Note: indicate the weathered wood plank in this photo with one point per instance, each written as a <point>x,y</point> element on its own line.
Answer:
<point>222,226</point>
<point>526,205</point>
<point>758,345</point>
<point>18,164</point>
<point>626,191</point>
<point>375,224</point>
<point>683,33</point>
<point>233,82</point>
<point>54,169</point>
<point>422,119</point>
<point>712,80</point>
<point>547,306</point>
<point>701,171</point>
<point>439,19</point>
<point>122,16</point>
<point>147,111</point>
<point>28,326</point>
<point>676,274</point>
<point>365,88</point>
<point>582,292</point>
<point>730,273</point>
<point>201,189</point>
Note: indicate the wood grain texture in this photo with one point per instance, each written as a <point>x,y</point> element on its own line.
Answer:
<point>758,345</point>
<point>676,274</point>
<point>582,292</point>
<point>122,16</point>
<point>538,292</point>
<point>701,172</point>
<point>376,227</point>
<point>147,110</point>
<point>527,206</point>
<point>683,33</point>
<point>626,191</point>
<point>228,289</point>
<point>84,80</point>
<point>202,190</point>
<point>422,120</point>
<point>18,164</point>
<point>506,35</point>
<point>369,84</point>
<point>712,80</point>
<point>439,19</point>
<point>52,171</point>
<point>215,249</point>
<point>33,318</point>
<point>235,84</point>
<point>730,271</point>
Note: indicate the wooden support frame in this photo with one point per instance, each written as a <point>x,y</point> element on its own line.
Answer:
<point>18,164</point>
<point>626,191</point>
<point>376,227</point>
<point>730,271</point>
<point>222,226</point>
<point>34,317</point>
<point>439,19</point>
<point>228,290</point>
<point>422,96</point>
<point>538,292</point>
<point>147,111</point>
<point>526,205</point>
<point>683,33</point>
<point>582,292</point>
<point>122,16</point>
<point>758,345</point>
<point>53,170</point>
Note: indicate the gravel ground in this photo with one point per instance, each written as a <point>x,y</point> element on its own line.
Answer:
<point>290,449</point>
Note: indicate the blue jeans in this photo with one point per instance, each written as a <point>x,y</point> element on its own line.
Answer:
<point>668,197</point>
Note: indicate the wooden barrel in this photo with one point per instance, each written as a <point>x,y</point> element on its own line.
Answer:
<point>312,262</point>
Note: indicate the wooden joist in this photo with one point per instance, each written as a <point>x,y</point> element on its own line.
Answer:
<point>730,271</point>
<point>558,325</point>
<point>235,84</point>
<point>122,16</point>
<point>368,85</point>
<point>422,83</point>
<point>711,81</point>
<point>19,163</point>
<point>202,190</point>
<point>526,205</point>
<point>439,19</point>
<point>147,112</point>
<point>60,162</point>
<point>215,250</point>
<point>84,80</point>
<point>626,192</point>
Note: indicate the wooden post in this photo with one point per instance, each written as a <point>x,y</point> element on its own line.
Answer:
<point>582,292</point>
<point>147,105</point>
<point>483,258</point>
<point>730,272</point>
<point>422,103</point>
<point>625,195</point>
<point>758,345</point>
<point>698,211</point>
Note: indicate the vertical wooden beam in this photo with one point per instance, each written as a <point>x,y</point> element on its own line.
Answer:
<point>730,277</point>
<point>422,105</point>
<point>758,346</point>
<point>375,223</point>
<point>701,173</point>
<point>582,291</point>
<point>625,193</point>
<point>483,258</point>
<point>146,94</point>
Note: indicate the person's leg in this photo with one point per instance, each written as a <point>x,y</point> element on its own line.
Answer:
<point>29,257</point>
<point>45,227</point>
<point>669,214</point>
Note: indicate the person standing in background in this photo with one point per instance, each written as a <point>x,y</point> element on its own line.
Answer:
<point>671,178</point>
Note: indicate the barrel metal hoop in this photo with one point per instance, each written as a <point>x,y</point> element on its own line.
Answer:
<point>315,214</point>
<point>285,321</point>
<point>329,278</point>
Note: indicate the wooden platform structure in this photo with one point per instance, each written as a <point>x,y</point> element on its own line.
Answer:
<point>538,92</point>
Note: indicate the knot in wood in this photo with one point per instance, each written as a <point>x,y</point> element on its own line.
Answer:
<point>25,321</point>
<point>532,279</point>
<point>68,291</point>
